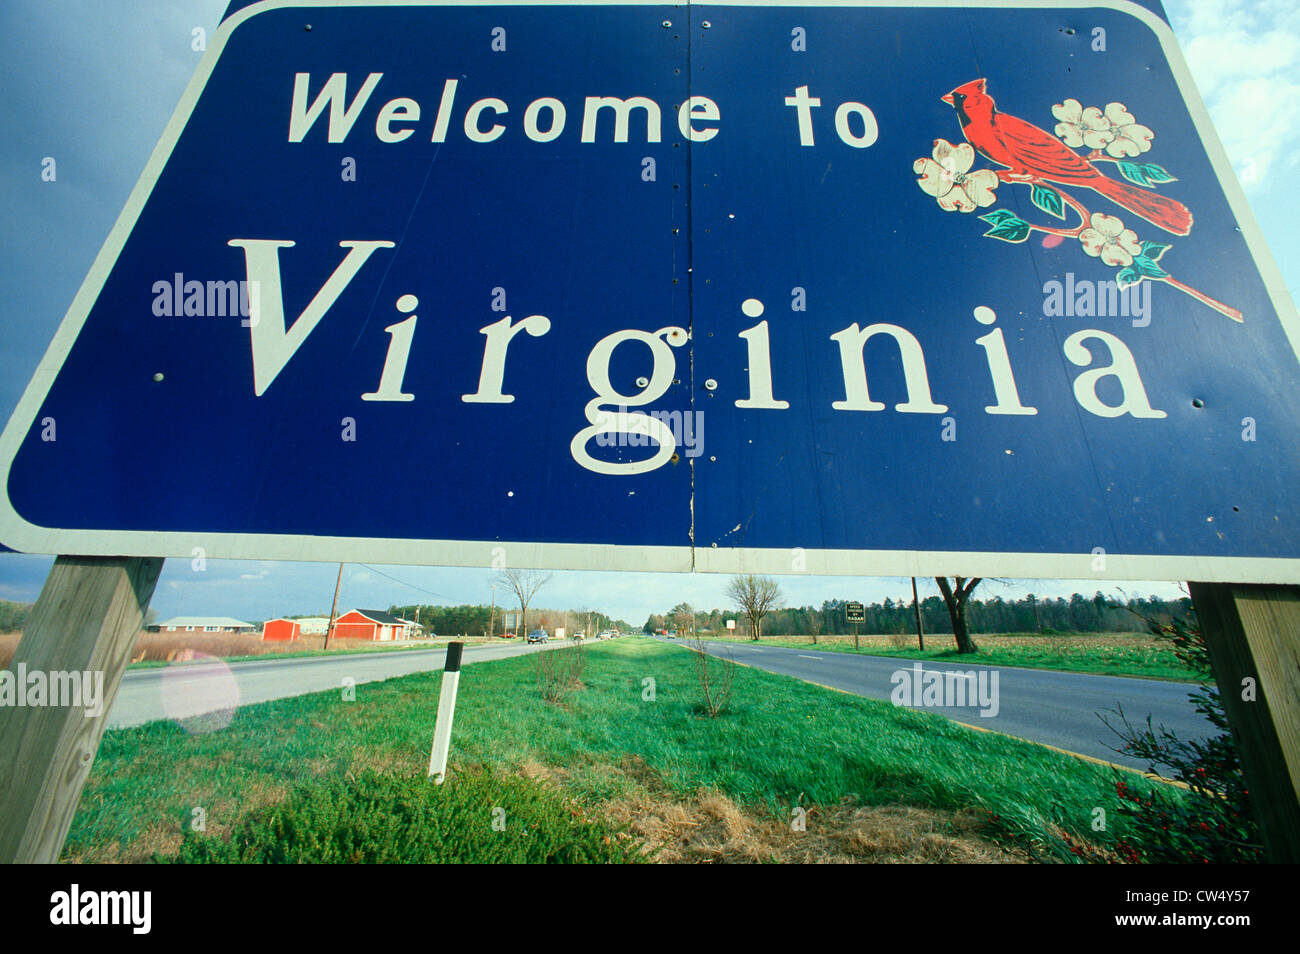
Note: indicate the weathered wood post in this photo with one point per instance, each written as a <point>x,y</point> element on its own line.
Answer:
<point>1253,635</point>
<point>85,621</point>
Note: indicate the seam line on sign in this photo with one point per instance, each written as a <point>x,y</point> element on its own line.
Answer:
<point>979,728</point>
<point>397,250</point>
<point>690,260</point>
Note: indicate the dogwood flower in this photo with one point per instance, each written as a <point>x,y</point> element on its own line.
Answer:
<point>1131,138</point>
<point>1107,239</point>
<point>1082,127</point>
<point>948,178</point>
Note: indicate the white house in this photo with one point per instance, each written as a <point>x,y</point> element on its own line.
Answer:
<point>202,624</point>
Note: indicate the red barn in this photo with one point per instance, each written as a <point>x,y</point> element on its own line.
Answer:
<point>369,624</point>
<point>281,630</point>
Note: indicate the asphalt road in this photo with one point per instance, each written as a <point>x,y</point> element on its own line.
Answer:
<point>1056,708</point>
<point>185,691</point>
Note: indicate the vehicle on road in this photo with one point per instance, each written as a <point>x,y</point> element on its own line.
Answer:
<point>508,635</point>
<point>538,636</point>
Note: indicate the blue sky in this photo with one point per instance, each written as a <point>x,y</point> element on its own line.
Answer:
<point>93,84</point>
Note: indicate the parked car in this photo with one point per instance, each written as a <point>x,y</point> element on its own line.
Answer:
<point>508,635</point>
<point>538,636</point>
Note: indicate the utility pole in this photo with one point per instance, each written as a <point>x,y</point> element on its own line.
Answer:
<point>333,607</point>
<point>492,619</point>
<point>916,608</point>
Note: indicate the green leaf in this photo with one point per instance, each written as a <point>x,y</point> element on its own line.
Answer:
<point>1127,277</point>
<point>1144,173</point>
<point>1148,268</point>
<point>999,216</point>
<point>1013,230</point>
<point>1132,171</point>
<point>1157,173</point>
<point>1153,250</point>
<point>1049,200</point>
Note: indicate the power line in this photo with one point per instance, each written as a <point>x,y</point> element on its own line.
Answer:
<point>441,596</point>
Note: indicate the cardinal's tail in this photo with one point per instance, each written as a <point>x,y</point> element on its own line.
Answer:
<point>1170,215</point>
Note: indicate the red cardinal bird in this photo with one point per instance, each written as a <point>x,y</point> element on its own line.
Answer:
<point>1027,150</point>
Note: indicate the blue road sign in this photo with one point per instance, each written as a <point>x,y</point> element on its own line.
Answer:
<point>855,289</point>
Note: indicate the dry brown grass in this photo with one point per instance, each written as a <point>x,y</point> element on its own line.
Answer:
<point>710,827</point>
<point>178,647</point>
<point>8,643</point>
<point>945,641</point>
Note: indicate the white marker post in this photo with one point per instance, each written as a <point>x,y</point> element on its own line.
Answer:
<point>446,711</point>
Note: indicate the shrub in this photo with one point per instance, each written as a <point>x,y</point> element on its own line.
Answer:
<point>1215,823</point>
<point>474,818</point>
<point>716,676</point>
<point>559,672</point>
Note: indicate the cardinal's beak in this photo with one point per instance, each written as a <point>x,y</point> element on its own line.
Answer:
<point>947,98</point>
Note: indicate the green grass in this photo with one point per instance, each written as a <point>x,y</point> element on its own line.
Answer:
<point>783,742</point>
<point>1114,659</point>
<point>485,817</point>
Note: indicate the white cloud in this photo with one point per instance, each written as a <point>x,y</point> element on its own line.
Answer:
<point>1245,58</point>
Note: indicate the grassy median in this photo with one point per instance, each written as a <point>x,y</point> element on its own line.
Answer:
<point>630,752</point>
<point>1104,654</point>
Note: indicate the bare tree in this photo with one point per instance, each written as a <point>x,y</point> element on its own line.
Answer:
<point>814,624</point>
<point>716,675</point>
<point>524,584</point>
<point>955,597</point>
<point>683,618</point>
<point>755,596</point>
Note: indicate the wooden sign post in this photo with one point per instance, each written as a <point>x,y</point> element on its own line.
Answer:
<point>1253,635</point>
<point>85,621</point>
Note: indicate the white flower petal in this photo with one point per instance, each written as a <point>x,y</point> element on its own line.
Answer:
<point>956,159</point>
<point>1123,148</point>
<point>1114,255</point>
<point>1098,138</point>
<point>980,186</point>
<point>1093,241</point>
<point>1069,134</point>
<point>1068,111</point>
<point>1136,139</point>
<point>935,180</point>
<point>956,199</point>
<point>1093,119</point>
<point>1128,241</point>
<point>1108,225</point>
<point>1118,114</point>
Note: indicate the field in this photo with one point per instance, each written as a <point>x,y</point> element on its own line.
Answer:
<point>1109,654</point>
<point>159,649</point>
<point>630,751</point>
